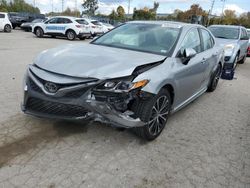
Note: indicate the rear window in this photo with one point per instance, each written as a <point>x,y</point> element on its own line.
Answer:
<point>82,22</point>
<point>225,32</point>
<point>96,23</point>
<point>2,15</point>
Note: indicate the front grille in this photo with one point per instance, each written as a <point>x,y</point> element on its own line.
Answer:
<point>228,65</point>
<point>55,108</point>
<point>34,87</point>
<point>72,94</point>
<point>77,93</point>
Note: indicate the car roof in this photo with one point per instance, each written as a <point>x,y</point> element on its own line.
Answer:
<point>69,17</point>
<point>3,13</point>
<point>229,26</point>
<point>170,23</point>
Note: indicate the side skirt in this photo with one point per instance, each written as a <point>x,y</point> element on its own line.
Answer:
<point>189,100</point>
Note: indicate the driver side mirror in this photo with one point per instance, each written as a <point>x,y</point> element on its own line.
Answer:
<point>187,54</point>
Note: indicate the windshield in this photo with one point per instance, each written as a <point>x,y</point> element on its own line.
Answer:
<point>152,38</point>
<point>225,32</point>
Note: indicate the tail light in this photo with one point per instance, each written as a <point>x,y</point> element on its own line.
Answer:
<point>78,26</point>
<point>93,26</point>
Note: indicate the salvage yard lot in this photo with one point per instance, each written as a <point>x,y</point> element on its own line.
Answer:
<point>207,144</point>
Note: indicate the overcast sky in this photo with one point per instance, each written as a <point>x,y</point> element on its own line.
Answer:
<point>166,6</point>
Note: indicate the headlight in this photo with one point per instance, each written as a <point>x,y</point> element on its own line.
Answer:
<point>123,85</point>
<point>229,47</point>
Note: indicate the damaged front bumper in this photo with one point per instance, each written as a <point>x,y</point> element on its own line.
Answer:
<point>74,103</point>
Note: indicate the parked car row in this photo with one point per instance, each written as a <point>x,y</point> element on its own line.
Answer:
<point>69,27</point>
<point>18,18</point>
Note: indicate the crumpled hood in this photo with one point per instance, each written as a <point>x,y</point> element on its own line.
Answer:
<point>96,61</point>
<point>224,42</point>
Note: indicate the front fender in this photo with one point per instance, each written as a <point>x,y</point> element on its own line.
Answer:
<point>159,76</point>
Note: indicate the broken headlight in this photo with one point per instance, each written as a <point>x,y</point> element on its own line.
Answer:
<point>122,85</point>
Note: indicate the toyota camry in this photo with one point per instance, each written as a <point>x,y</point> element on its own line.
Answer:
<point>134,76</point>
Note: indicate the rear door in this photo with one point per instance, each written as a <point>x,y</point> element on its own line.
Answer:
<point>63,24</point>
<point>210,55</point>
<point>2,18</point>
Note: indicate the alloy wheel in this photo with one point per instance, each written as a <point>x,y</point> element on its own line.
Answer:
<point>71,35</point>
<point>159,115</point>
<point>7,28</point>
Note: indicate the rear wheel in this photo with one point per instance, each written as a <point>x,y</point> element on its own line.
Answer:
<point>214,79</point>
<point>71,35</point>
<point>155,113</point>
<point>7,28</point>
<point>39,32</point>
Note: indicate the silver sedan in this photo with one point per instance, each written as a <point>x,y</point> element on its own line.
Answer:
<point>134,76</point>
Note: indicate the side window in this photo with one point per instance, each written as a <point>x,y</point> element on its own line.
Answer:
<point>192,40</point>
<point>2,16</point>
<point>64,21</point>
<point>243,33</point>
<point>208,41</point>
<point>52,21</point>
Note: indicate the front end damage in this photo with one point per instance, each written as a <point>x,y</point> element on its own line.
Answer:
<point>108,101</point>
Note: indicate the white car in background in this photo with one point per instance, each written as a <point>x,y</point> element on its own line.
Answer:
<point>69,27</point>
<point>107,27</point>
<point>5,24</point>
<point>99,28</point>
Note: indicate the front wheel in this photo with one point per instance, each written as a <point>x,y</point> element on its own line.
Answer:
<point>39,32</point>
<point>214,79</point>
<point>243,60</point>
<point>155,113</point>
<point>7,28</point>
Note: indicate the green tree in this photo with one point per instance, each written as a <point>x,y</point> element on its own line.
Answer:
<point>17,6</point>
<point>113,15</point>
<point>120,13</point>
<point>146,13</point>
<point>229,17</point>
<point>90,6</point>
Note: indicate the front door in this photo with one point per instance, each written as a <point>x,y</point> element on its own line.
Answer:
<point>190,77</point>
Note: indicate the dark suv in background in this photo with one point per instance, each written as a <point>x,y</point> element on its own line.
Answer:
<point>17,18</point>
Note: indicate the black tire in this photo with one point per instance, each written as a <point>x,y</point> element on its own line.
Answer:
<point>39,32</point>
<point>242,61</point>
<point>236,61</point>
<point>71,35</point>
<point>214,80</point>
<point>7,28</point>
<point>155,112</point>
<point>82,38</point>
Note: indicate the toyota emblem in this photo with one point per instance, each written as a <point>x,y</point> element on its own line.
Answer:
<point>50,87</point>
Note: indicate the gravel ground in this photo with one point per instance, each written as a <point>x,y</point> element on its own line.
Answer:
<point>207,144</point>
